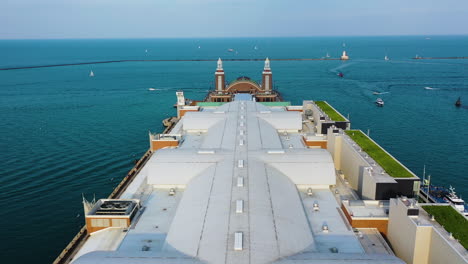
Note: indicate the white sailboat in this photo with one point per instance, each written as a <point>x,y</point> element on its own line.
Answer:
<point>91,74</point>
<point>327,56</point>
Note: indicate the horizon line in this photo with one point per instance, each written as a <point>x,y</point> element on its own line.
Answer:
<point>235,37</point>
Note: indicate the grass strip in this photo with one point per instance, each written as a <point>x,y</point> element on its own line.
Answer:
<point>327,109</point>
<point>451,220</point>
<point>387,162</point>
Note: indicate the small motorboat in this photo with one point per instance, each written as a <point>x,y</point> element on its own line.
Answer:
<point>230,50</point>
<point>379,102</point>
<point>340,74</point>
<point>458,102</point>
<point>151,89</point>
<point>91,74</point>
<point>386,58</point>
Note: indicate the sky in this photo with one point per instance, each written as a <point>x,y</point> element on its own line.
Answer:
<point>44,19</point>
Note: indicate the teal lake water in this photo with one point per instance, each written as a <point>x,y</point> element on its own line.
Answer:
<point>64,133</point>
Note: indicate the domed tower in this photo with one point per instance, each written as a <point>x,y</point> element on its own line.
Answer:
<point>219,77</point>
<point>267,80</point>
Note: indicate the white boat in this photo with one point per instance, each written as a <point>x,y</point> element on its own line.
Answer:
<point>230,50</point>
<point>91,74</point>
<point>379,102</point>
<point>146,51</point>
<point>151,89</point>
<point>453,199</point>
<point>255,48</point>
<point>199,47</point>
<point>386,58</point>
<point>327,56</point>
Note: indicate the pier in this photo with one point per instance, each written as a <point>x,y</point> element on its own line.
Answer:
<point>440,58</point>
<point>72,248</point>
<point>161,60</point>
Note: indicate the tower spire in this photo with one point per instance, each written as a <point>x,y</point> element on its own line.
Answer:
<point>220,65</point>
<point>267,65</point>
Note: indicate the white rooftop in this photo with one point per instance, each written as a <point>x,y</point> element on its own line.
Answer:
<point>241,151</point>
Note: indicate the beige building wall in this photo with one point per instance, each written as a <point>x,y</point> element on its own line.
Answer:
<point>334,147</point>
<point>316,116</point>
<point>417,243</point>
<point>401,231</point>
<point>351,163</point>
<point>442,252</point>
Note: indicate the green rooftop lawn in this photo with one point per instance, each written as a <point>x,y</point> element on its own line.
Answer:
<point>451,220</point>
<point>335,116</point>
<point>389,164</point>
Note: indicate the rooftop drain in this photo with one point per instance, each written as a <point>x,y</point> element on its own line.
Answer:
<point>334,250</point>
<point>290,146</point>
<point>145,248</point>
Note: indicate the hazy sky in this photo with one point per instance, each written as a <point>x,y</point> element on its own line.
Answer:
<point>229,18</point>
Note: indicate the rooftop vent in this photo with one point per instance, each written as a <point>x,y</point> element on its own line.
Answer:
<point>172,192</point>
<point>309,192</point>
<point>325,228</point>
<point>111,213</point>
<point>334,250</point>
<point>316,206</point>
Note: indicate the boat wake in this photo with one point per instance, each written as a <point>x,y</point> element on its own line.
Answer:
<point>430,88</point>
<point>337,69</point>
<point>375,92</point>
